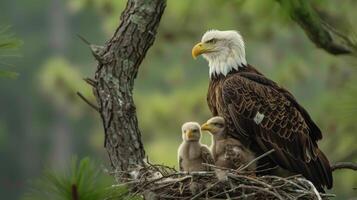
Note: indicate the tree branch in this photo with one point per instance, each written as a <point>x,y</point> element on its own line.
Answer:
<point>118,64</point>
<point>321,33</point>
<point>88,102</point>
<point>344,165</point>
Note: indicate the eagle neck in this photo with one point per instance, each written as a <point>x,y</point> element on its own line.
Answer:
<point>216,77</point>
<point>225,61</point>
<point>220,136</point>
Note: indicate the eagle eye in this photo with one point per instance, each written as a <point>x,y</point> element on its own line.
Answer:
<point>212,41</point>
<point>219,125</point>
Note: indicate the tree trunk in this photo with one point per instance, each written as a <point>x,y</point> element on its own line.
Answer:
<point>118,66</point>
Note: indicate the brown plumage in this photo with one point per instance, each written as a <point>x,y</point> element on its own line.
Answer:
<point>227,152</point>
<point>191,153</point>
<point>286,126</point>
<point>261,114</point>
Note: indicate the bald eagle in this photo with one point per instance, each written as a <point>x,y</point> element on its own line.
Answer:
<point>260,113</point>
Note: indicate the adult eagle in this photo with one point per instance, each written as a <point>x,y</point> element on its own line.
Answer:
<point>259,112</point>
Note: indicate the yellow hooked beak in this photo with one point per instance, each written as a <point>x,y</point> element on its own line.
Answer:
<point>190,134</point>
<point>206,127</point>
<point>200,48</point>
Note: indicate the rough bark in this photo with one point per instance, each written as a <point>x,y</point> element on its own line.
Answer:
<point>118,64</point>
<point>320,32</point>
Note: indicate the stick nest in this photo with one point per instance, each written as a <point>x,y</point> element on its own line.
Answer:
<point>162,182</point>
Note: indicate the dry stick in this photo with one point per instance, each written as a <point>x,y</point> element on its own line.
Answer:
<point>205,190</point>
<point>227,194</point>
<point>225,191</point>
<point>88,102</point>
<point>275,186</point>
<point>263,190</point>
<point>199,173</point>
<point>236,178</point>
<point>302,189</point>
<point>245,196</point>
<point>217,167</point>
<point>287,180</point>
<point>262,170</point>
<point>83,39</point>
<point>344,165</point>
<point>157,179</point>
<point>312,187</point>
<point>265,185</point>
<point>255,159</point>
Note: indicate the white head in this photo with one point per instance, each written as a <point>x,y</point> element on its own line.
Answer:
<point>191,131</point>
<point>216,126</point>
<point>224,51</point>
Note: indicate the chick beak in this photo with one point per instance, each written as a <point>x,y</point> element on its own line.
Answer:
<point>206,127</point>
<point>190,134</point>
<point>198,49</point>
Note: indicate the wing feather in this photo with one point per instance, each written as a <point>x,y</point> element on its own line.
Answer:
<point>180,164</point>
<point>206,156</point>
<point>286,126</point>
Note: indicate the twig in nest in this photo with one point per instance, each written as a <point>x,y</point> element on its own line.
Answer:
<point>255,159</point>
<point>344,165</point>
<point>217,167</point>
<point>312,188</point>
<point>177,185</point>
<point>264,190</point>
<point>205,190</point>
<point>88,102</point>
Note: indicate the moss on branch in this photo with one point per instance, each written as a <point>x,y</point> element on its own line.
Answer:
<point>320,32</point>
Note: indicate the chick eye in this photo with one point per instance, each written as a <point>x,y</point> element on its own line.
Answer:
<point>218,125</point>
<point>212,41</point>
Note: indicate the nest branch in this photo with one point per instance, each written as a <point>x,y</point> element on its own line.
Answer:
<point>162,182</point>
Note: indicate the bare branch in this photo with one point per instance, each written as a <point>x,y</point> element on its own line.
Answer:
<point>344,165</point>
<point>85,41</point>
<point>88,102</point>
<point>90,81</point>
<point>320,32</point>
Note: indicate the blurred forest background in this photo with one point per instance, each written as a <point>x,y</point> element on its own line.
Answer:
<point>43,123</point>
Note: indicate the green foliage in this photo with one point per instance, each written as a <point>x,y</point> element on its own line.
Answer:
<point>8,41</point>
<point>82,182</point>
<point>8,44</point>
<point>60,80</point>
<point>8,74</point>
